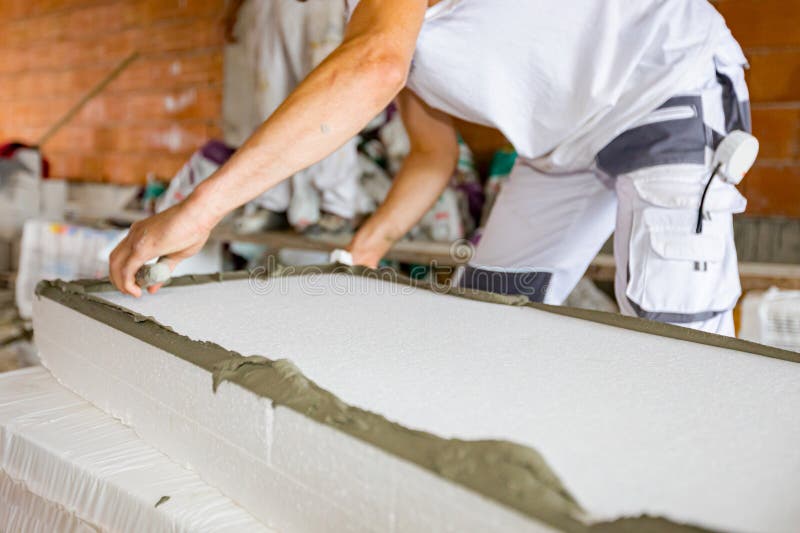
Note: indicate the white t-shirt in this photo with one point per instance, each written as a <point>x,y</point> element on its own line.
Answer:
<point>562,78</point>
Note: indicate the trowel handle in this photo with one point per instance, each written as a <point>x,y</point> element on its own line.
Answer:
<point>153,274</point>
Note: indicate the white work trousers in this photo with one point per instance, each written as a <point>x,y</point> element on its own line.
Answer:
<point>646,187</point>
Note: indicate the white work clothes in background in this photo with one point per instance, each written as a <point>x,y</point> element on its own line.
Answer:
<point>561,78</point>
<point>279,43</point>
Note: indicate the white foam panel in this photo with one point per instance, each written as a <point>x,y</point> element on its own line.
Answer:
<point>318,480</point>
<point>65,465</point>
<point>23,510</point>
<point>632,423</point>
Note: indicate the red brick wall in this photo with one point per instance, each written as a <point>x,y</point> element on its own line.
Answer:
<point>148,120</point>
<point>769,32</point>
<point>169,101</point>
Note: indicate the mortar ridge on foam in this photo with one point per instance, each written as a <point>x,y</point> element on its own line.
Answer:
<point>204,409</point>
<point>246,463</point>
<point>122,418</point>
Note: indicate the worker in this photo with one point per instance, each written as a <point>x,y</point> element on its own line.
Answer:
<point>614,107</point>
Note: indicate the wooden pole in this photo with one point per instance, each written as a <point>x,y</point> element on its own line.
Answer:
<point>86,98</point>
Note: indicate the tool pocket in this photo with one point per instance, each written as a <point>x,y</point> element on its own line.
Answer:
<point>677,275</point>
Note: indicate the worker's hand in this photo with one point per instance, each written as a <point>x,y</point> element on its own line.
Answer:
<point>175,234</point>
<point>367,248</point>
<point>365,258</point>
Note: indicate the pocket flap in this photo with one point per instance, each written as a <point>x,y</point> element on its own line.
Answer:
<point>686,194</point>
<point>691,247</point>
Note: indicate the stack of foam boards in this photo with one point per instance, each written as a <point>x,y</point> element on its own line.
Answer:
<point>323,401</point>
<point>67,466</point>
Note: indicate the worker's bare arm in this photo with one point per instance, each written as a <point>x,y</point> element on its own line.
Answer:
<point>422,178</point>
<point>330,106</point>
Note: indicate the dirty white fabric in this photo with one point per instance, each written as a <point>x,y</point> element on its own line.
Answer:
<point>280,42</point>
<point>561,79</point>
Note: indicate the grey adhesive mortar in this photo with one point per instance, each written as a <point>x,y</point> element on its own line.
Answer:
<point>511,474</point>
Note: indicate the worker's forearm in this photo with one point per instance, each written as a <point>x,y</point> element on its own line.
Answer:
<point>328,108</point>
<point>416,188</point>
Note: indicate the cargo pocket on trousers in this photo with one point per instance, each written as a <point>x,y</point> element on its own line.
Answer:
<point>677,275</point>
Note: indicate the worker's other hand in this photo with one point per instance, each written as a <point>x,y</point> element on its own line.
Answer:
<point>365,258</point>
<point>173,235</point>
<point>368,250</point>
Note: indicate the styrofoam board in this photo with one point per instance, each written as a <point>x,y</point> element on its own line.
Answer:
<point>65,465</point>
<point>632,423</point>
<point>23,510</point>
<point>336,484</point>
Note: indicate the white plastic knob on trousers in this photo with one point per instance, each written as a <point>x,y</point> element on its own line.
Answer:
<point>736,154</point>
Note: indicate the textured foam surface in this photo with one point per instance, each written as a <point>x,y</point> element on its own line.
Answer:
<point>67,466</point>
<point>632,423</point>
<point>290,472</point>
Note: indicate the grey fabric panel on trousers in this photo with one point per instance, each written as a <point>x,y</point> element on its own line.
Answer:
<point>714,137</point>
<point>676,141</point>
<point>530,283</point>
<point>737,114</point>
<point>673,318</point>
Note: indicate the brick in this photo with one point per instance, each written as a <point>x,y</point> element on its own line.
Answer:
<point>131,169</point>
<point>762,22</point>
<point>104,19</point>
<point>134,168</point>
<point>68,165</point>
<point>174,71</point>
<point>774,75</point>
<point>202,67</point>
<point>173,138</point>
<point>198,104</point>
<point>150,11</point>
<point>778,131</point>
<point>172,36</point>
<point>15,9</point>
<point>69,54</point>
<point>183,35</point>
<point>69,25</point>
<point>203,105</point>
<point>29,113</point>
<point>773,190</point>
